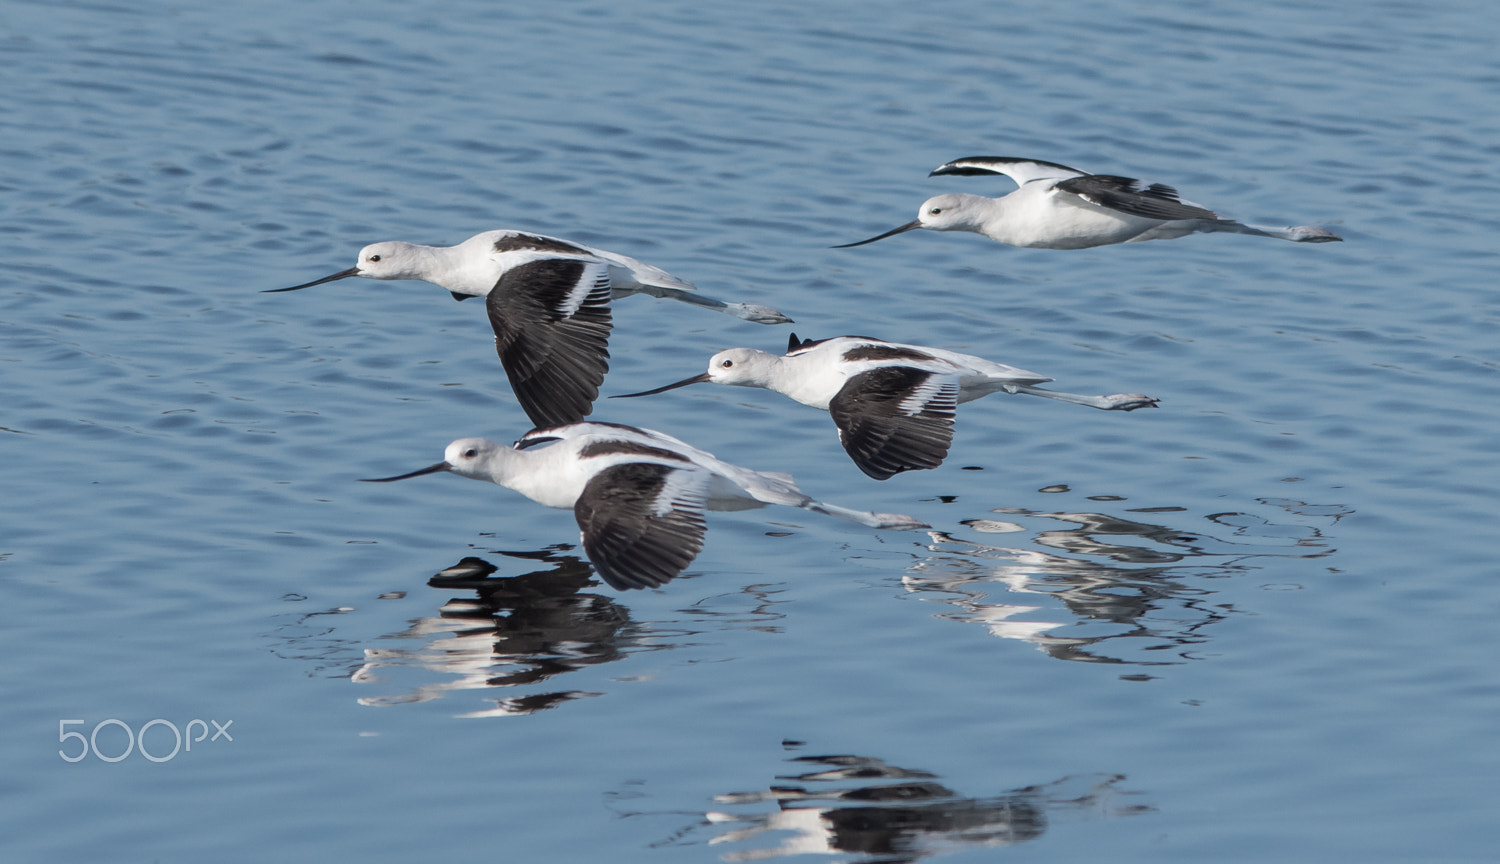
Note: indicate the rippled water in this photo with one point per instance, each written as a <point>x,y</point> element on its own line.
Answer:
<point>1280,585</point>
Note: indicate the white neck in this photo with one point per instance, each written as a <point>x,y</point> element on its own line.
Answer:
<point>806,379</point>
<point>539,474</point>
<point>458,272</point>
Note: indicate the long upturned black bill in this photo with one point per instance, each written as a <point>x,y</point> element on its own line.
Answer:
<point>430,469</point>
<point>342,274</point>
<point>916,223</point>
<point>696,379</point>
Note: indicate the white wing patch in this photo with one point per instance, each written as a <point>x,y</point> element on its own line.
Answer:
<point>683,489</point>
<point>934,388</point>
<point>595,276</point>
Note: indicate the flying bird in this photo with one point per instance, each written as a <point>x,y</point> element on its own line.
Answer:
<point>893,404</point>
<point>548,302</point>
<point>1057,207</point>
<point>638,495</point>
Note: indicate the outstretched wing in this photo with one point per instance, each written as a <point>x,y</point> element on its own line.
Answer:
<point>641,522</point>
<point>551,320</point>
<point>896,418</point>
<point>1127,195</point>
<point>1022,171</point>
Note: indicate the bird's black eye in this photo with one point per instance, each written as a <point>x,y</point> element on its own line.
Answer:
<point>935,211</point>
<point>470,453</point>
<point>727,364</point>
<point>374,258</point>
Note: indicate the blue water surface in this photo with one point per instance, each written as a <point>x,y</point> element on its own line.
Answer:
<point>1277,590</point>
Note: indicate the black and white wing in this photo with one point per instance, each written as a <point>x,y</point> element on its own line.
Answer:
<point>1131,196</point>
<point>896,418</point>
<point>641,522</point>
<point>1022,171</point>
<point>552,320</point>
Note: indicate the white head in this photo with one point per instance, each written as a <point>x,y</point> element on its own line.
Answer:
<point>392,259</point>
<point>954,211</point>
<point>474,457</point>
<point>478,458</point>
<point>742,367</point>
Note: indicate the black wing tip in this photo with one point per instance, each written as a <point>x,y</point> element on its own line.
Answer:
<point>957,168</point>
<point>883,465</point>
<point>964,167</point>
<point>959,171</point>
<point>622,580</point>
<point>639,567</point>
<point>877,472</point>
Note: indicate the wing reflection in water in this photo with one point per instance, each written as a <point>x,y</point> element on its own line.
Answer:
<point>514,631</point>
<point>1142,603</point>
<point>870,811</point>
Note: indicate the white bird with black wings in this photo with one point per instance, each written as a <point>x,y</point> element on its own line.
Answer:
<point>893,403</point>
<point>548,302</point>
<point>638,495</point>
<point>1057,207</point>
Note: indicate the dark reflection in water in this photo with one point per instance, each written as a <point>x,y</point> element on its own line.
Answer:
<point>1135,591</point>
<point>510,631</point>
<point>506,633</point>
<point>869,811</point>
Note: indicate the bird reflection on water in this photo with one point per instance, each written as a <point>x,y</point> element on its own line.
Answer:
<point>514,631</point>
<point>1144,603</point>
<point>870,811</point>
<point>527,630</point>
